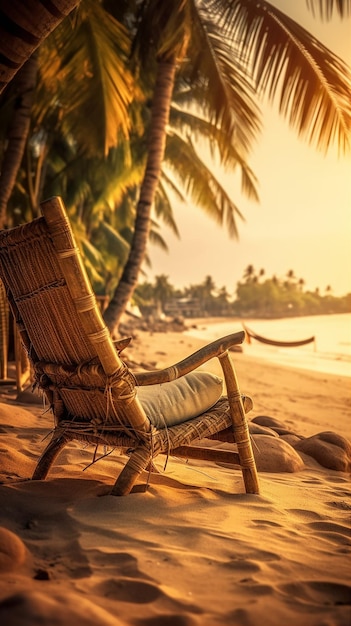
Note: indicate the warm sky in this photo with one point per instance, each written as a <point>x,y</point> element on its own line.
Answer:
<point>303,221</point>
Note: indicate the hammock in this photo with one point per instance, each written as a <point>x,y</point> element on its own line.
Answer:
<point>272,342</point>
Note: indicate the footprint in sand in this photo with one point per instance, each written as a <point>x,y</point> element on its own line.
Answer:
<point>338,479</point>
<point>313,481</point>
<point>319,592</point>
<point>30,607</point>
<point>168,620</point>
<point>249,563</point>
<point>344,506</point>
<point>118,563</point>
<point>127,590</point>
<point>305,514</point>
<point>331,527</point>
<point>141,592</point>
<point>336,533</point>
<point>242,566</point>
<point>264,522</point>
<point>252,588</point>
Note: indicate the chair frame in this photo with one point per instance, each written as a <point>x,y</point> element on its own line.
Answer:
<point>97,371</point>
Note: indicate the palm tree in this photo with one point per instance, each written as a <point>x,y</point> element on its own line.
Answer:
<point>236,48</point>
<point>208,287</point>
<point>162,292</point>
<point>23,89</point>
<point>22,29</point>
<point>261,273</point>
<point>230,50</point>
<point>170,26</point>
<point>249,273</point>
<point>155,152</point>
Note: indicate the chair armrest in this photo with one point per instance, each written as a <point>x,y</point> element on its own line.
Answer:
<point>190,363</point>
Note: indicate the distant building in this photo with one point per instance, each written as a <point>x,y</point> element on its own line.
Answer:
<point>185,307</point>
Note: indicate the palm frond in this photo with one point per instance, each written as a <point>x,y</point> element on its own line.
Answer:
<point>163,30</point>
<point>313,83</point>
<point>114,243</point>
<point>85,71</point>
<point>92,255</point>
<point>94,261</point>
<point>118,181</point>
<point>219,79</point>
<point>166,182</point>
<point>219,145</point>
<point>201,184</point>
<point>327,8</point>
<point>163,204</point>
<point>155,238</point>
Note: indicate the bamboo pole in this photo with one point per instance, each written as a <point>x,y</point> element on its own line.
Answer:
<point>22,364</point>
<point>240,425</point>
<point>4,332</point>
<point>191,362</point>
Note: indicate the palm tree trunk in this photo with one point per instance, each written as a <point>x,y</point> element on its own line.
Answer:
<point>23,26</point>
<point>24,88</point>
<point>156,147</point>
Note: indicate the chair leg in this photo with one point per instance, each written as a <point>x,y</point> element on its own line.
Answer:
<point>139,460</point>
<point>240,425</point>
<point>48,457</point>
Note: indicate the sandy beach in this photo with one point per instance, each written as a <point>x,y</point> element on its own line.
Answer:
<point>194,549</point>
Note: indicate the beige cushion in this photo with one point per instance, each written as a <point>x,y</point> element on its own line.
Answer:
<point>180,400</point>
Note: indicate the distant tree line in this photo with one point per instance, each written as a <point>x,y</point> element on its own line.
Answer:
<point>255,296</point>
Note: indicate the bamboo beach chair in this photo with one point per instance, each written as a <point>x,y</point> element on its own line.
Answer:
<point>93,395</point>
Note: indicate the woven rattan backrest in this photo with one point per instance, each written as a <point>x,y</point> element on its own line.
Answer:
<point>40,296</point>
<point>54,305</point>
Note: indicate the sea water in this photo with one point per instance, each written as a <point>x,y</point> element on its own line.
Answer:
<point>330,353</point>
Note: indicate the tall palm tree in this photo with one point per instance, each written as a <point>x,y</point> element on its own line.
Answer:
<point>23,89</point>
<point>229,50</point>
<point>163,290</point>
<point>249,273</point>
<point>167,60</point>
